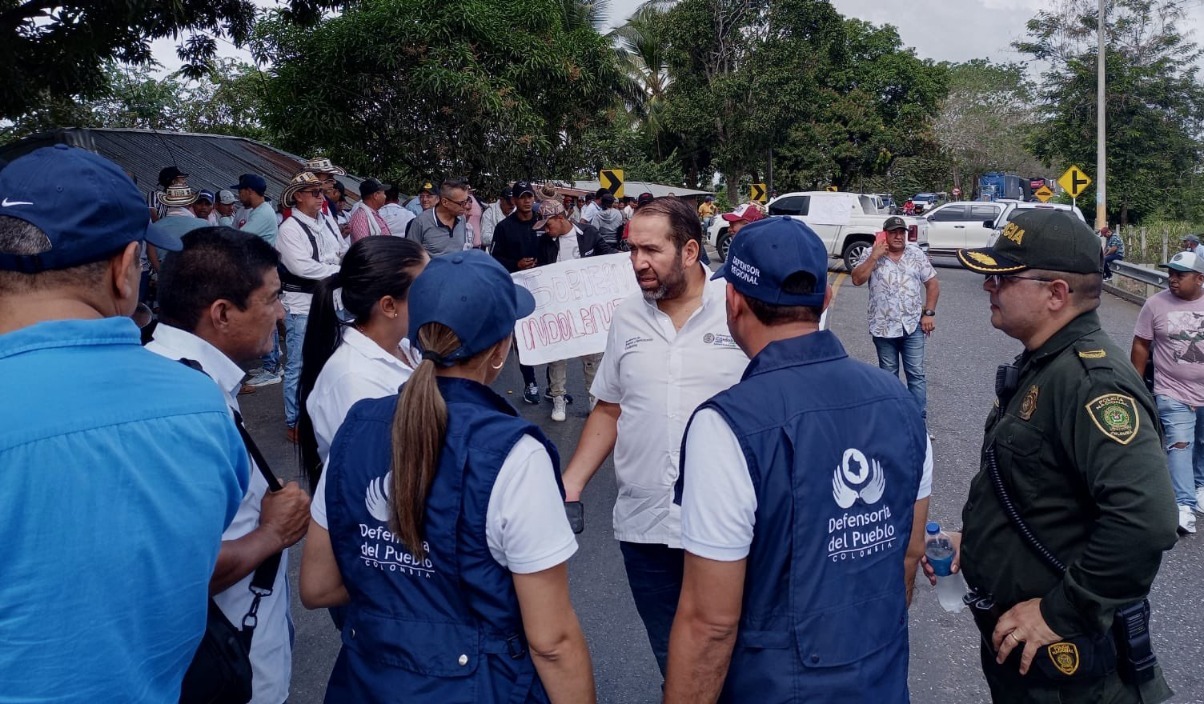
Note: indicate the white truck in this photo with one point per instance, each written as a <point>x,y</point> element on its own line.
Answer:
<point>846,222</point>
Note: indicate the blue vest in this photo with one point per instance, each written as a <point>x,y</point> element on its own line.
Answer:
<point>445,629</point>
<point>835,449</point>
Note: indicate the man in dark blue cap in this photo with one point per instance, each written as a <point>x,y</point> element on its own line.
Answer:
<point>121,468</point>
<point>801,491</point>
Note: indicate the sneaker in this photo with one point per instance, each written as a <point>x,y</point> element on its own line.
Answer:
<point>558,408</point>
<point>1187,520</point>
<point>531,394</point>
<point>265,378</point>
<point>246,389</point>
<point>1200,499</point>
<point>568,398</point>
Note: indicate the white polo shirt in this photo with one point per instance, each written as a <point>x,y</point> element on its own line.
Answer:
<point>358,369</point>
<point>658,375</point>
<point>271,647</point>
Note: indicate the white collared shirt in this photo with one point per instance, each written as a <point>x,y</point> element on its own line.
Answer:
<point>358,369</point>
<point>296,254</point>
<point>271,648</point>
<point>658,375</point>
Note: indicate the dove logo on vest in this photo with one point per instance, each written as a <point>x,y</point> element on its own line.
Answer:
<point>857,484</point>
<point>381,548</point>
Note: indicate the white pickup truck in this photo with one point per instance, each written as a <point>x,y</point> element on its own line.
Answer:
<point>846,222</point>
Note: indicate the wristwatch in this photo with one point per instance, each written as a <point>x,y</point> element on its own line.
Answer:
<point>929,312</point>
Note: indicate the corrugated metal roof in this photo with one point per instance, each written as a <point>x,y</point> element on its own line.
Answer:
<point>213,162</point>
<point>636,188</point>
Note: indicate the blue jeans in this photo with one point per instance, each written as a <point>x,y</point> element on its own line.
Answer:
<point>1183,424</point>
<point>294,337</point>
<point>911,349</point>
<point>654,573</point>
<point>271,360</point>
<point>1108,263</point>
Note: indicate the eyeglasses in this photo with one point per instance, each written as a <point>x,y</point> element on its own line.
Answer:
<point>462,203</point>
<point>315,192</point>
<point>997,280</point>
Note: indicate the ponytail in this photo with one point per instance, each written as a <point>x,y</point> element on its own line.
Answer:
<point>419,428</point>
<point>323,334</point>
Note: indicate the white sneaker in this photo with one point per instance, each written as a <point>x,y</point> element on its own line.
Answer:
<point>558,409</point>
<point>1200,500</point>
<point>1187,520</point>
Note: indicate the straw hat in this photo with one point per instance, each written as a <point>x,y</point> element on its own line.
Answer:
<point>178,196</point>
<point>322,165</point>
<point>300,182</point>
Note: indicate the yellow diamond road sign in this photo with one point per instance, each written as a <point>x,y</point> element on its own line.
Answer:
<point>612,180</point>
<point>757,193</point>
<point>1075,181</point>
<point>1043,194</point>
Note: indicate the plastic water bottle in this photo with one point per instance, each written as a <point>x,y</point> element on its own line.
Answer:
<point>950,588</point>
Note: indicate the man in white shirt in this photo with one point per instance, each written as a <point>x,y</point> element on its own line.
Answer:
<point>309,251</point>
<point>495,213</point>
<point>667,351</point>
<point>223,209</point>
<point>394,215</point>
<point>219,303</point>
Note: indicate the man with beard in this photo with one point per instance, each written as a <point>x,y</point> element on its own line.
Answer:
<point>668,350</point>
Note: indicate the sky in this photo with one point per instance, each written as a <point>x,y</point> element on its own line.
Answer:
<point>942,30</point>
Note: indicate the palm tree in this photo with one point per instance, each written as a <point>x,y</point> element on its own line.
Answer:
<point>641,54</point>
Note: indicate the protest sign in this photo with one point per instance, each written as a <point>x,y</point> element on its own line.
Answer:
<point>574,303</point>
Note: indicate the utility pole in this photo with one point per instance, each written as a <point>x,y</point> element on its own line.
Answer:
<point>769,185</point>
<point>1101,156</point>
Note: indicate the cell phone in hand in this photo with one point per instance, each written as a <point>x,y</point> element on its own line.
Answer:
<point>576,513</point>
<point>880,237</point>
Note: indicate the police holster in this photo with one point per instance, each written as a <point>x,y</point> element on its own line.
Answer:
<point>1090,656</point>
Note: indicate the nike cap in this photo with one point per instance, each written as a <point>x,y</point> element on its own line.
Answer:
<point>87,207</point>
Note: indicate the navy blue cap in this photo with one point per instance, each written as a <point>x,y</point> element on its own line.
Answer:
<point>253,181</point>
<point>206,195</point>
<point>85,204</point>
<point>769,251</point>
<point>471,293</point>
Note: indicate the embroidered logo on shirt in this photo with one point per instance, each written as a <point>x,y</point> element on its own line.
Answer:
<point>719,340</point>
<point>635,342</point>
<point>380,547</point>
<point>1116,416</point>
<point>1029,404</point>
<point>855,470</point>
<point>859,532</point>
<point>1065,657</point>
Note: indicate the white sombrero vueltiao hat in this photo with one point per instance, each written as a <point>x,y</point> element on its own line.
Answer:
<point>178,196</point>
<point>322,165</point>
<point>300,182</point>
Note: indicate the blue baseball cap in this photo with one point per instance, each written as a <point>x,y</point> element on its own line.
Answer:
<point>253,181</point>
<point>471,293</point>
<point>85,204</point>
<point>769,251</point>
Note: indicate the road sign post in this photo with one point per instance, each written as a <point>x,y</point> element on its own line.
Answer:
<point>757,192</point>
<point>612,180</point>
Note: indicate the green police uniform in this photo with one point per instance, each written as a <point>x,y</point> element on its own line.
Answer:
<point>1079,452</point>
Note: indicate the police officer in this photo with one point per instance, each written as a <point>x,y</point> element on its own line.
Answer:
<point>809,444</point>
<point>1073,446</point>
<point>440,522</point>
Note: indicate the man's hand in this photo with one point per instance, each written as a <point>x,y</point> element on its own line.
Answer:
<point>1023,623</point>
<point>878,250</point>
<point>956,540</point>
<point>572,491</point>
<point>526,263</point>
<point>285,514</point>
<point>927,324</point>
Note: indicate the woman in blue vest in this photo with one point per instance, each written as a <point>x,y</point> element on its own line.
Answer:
<point>445,532</point>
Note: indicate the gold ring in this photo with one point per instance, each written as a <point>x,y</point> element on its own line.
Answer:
<point>1013,636</point>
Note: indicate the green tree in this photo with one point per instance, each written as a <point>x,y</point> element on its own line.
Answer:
<point>986,121</point>
<point>59,50</point>
<point>492,90</point>
<point>642,58</point>
<point>1154,101</point>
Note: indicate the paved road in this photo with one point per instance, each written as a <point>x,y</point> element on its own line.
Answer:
<point>962,356</point>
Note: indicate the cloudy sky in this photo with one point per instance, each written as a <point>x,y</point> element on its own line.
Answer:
<point>943,30</point>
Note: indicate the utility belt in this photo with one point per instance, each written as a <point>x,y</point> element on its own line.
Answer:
<point>1126,649</point>
<point>291,283</point>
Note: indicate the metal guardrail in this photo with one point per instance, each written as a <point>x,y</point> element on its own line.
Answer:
<point>1144,274</point>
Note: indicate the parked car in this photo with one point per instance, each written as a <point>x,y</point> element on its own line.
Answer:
<point>955,226</point>
<point>1013,208</point>
<point>840,219</point>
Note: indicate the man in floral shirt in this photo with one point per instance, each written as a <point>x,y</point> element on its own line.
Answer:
<point>902,307</point>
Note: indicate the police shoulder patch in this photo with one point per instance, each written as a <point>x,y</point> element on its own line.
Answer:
<point>1116,416</point>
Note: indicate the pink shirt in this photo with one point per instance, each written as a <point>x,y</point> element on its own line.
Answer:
<point>1176,328</point>
<point>359,224</point>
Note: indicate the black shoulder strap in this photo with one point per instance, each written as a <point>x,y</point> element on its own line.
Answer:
<point>1014,518</point>
<point>313,241</point>
<point>264,579</point>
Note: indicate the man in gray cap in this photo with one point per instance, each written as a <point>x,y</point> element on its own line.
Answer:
<point>1191,243</point>
<point>223,209</point>
<point>121,468</point>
